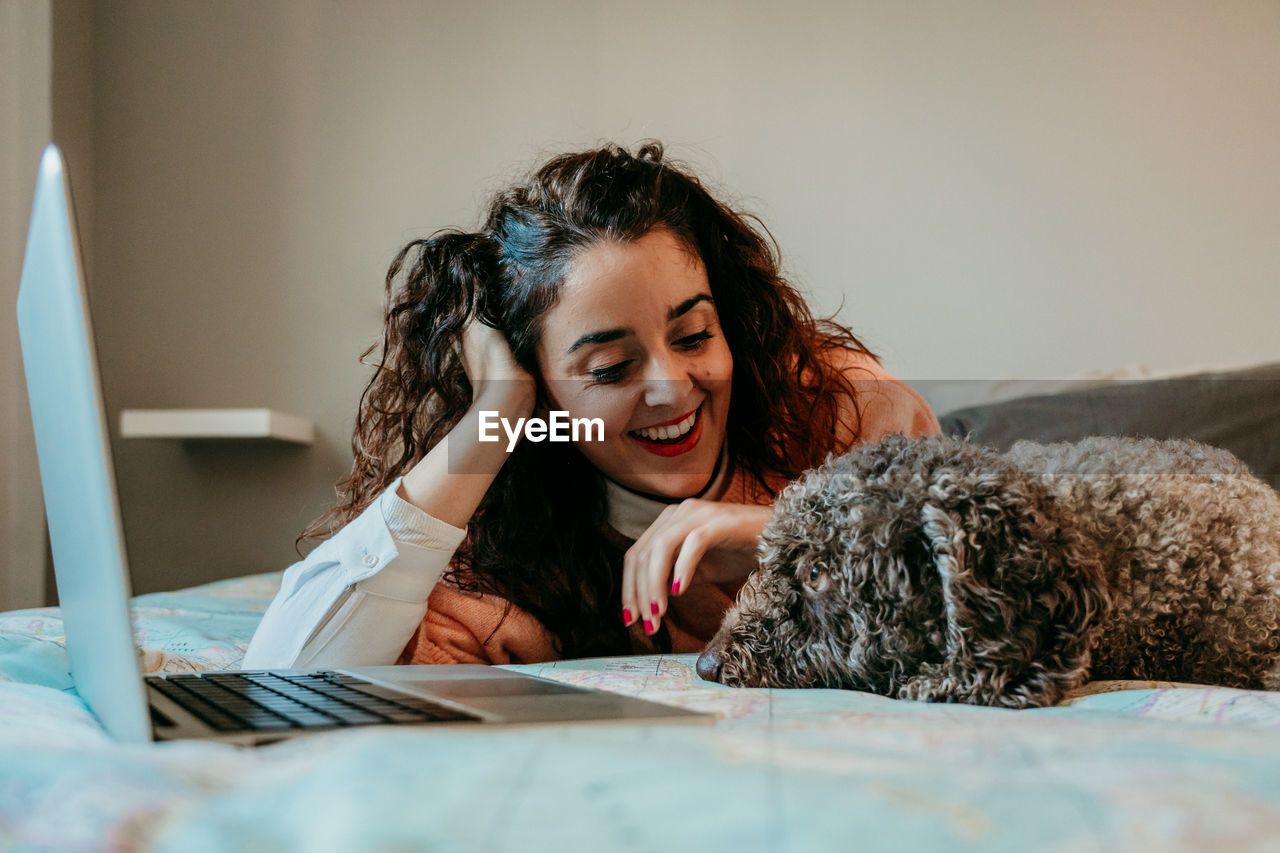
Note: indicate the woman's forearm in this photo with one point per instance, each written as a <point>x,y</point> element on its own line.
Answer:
<point>451,480</point>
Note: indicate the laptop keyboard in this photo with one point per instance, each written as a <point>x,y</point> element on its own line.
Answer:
<point>268,701</point>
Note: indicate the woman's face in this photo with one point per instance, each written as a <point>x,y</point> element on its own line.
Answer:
<point>634,339</point>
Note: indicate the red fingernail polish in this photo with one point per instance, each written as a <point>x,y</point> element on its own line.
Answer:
<point>653,608</point>
<point>675,588</point>
<point>626,616</point>
<point>648,627</point>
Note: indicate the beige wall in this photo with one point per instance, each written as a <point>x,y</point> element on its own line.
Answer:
<point>988,188</point>
<point>25,127</point>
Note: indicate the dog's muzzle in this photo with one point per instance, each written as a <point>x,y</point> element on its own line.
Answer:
<point>708,665</point>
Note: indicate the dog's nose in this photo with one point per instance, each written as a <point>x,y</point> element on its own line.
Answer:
<point>708,665</point>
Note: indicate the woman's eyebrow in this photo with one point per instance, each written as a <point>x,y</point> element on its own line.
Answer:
<point>686,306</point>
<point>598,338</point>
<point>613,334</point>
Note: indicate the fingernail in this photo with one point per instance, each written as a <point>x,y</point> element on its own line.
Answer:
<point>626,616</point>
<point>648,627</point>
<point>675,588</point>
<point>653,608</point>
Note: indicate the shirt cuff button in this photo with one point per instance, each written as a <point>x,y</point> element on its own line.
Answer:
<point>371,560</point>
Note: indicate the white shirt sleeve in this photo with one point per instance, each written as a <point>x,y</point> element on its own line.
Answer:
<point>358,597</point>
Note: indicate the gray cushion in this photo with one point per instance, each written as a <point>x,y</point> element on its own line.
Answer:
<point>1237,410</point>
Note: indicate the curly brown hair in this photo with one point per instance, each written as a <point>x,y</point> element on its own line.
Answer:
<point>554,558</point>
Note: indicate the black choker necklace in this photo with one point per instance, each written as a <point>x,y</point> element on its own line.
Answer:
<point>715,472</point>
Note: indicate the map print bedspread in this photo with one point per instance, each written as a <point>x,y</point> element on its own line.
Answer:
<point>1117,766</point>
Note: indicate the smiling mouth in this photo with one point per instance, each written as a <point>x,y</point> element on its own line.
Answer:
<point>669,433</point>
<point>671,439</point>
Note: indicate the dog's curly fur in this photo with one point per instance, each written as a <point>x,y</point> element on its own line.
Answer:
<point>941,570</point>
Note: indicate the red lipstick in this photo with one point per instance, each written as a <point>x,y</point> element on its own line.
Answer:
<point>686,443</point>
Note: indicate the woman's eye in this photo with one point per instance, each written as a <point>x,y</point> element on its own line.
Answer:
<point>612,373</point>
<point>694,341</point>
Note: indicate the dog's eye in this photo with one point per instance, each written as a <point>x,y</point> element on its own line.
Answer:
<point>816,578</point>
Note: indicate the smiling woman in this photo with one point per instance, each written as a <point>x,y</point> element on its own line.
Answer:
<point>654,366</point>
<point>609,288</point>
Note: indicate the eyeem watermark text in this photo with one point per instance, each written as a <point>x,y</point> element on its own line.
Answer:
<point>558,427</point>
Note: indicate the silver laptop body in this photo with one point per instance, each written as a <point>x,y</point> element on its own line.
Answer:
<point>87,541</point>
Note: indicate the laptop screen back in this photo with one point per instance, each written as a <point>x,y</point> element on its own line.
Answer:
<point>76,471</point>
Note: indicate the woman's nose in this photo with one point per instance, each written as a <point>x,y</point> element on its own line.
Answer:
<point>667,382</point>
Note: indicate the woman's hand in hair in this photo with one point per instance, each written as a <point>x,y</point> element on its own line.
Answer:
<point>450,481</point>
<point>498,382</point>
<point>694,541</point>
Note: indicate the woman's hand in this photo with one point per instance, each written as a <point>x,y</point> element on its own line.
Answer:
<point>450,481</point>
<point>715,540</point>
<point>498,382</point>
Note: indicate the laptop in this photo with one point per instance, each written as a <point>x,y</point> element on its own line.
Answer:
<point>87,541</point>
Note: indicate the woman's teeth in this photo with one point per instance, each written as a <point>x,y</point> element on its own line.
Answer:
<point>668,433</point>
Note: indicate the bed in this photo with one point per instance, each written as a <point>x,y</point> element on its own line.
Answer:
<point>1116,766</point>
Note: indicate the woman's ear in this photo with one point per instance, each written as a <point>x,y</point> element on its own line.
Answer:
<point>1023,603</point>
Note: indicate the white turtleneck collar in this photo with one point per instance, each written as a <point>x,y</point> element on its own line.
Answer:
<point>631,513</point>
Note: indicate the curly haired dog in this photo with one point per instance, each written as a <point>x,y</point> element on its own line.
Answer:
<point>940,570</point>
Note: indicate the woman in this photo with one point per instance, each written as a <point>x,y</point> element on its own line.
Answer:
<point>611,288</point>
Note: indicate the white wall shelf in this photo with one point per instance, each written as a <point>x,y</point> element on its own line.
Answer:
<point>216,424</point>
